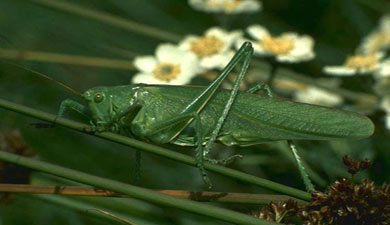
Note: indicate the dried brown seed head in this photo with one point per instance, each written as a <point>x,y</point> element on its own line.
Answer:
<point>354,166</point>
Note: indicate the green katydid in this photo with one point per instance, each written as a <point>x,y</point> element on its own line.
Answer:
<point>199,116</point>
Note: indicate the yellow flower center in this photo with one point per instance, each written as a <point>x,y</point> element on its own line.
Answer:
<point>379,41</point>
<point>206,46</point>
<point>277,45</point>
<point>230,5</point>
<point>362,62</point>
<point>166,71</point>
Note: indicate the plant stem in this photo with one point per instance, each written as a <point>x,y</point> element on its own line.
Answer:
<point>244,198</point>
<point>223,20</point>
<point>77,205</point>
<point>110,19</point>
<point>113,216</point>
<point>157,150</point>
<point>65,59</point>
<point>136,192</point>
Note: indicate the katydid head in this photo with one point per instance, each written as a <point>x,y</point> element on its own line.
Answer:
<point>105,103</point>
<point>99,104</point>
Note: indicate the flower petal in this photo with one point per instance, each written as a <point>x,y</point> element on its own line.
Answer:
<point>377,40</point>
<point>239,42</point>
<point>142,78</point>
<point>197,4</point>
<point>247,6</point>
<point>228,38</point>
<point>387,121</point>
<point>339,70</point>
<point>313,95</point>
<point>380,55</point>
<point>385,104</point>
<point>303,47</point>
<point>226,6</point>
<point>189,65</point>
<point>259,50</point>
<point>145,64</point>
<point>223,34</point>
<point>384,24</point>
<point>185,44</point>
<point>150,79</point>
<point>217,61</point>
<point>288,58</point>
<point>257,32</point>
<point>169,53</point>
<point>384,69</point>
<point>180,80</point>
<point>216,31</point>
<point>290,36</point>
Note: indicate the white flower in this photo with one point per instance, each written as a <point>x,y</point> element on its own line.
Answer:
<point>313,95</point>
<point>170,65</point>
<point>357,64</point>
<point>387,121</point>
<point>288,47</point>
<point>385,105</point>
<point>382,86</point>
<point>226,6</point>
<point>383,70</point>
<point>213,49</point>
<point>379,39</point>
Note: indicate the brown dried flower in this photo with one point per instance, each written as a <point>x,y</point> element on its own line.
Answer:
<point>344,203</point>
<point>311,217</point>
<point>279,212</point>
<point>358,204</point>
<point>354,166</point>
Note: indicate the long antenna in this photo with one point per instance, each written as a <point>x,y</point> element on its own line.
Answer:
<point>74,91</point>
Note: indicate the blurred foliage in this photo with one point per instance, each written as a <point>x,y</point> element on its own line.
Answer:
<point>336,25</point>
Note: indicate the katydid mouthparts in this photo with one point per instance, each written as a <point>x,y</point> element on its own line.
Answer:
<point>199,116</point>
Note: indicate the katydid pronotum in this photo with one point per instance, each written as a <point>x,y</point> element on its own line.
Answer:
<point>199,116</point>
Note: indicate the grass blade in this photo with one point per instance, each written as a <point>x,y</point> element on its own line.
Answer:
<point>110,19</point>
<point>136,192</point>
<point>206,196</point>
<point>66,59</point>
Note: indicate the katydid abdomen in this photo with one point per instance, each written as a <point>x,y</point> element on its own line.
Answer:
<point>252,119</point>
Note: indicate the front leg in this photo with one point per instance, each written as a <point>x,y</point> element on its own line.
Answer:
<point>73,105</point>
<point>114,124</point>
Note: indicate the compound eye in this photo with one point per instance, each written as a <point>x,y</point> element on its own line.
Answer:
<point>98,97</point>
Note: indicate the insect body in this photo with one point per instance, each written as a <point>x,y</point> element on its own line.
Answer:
<point>198,116</point>
<point>253,119</point>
